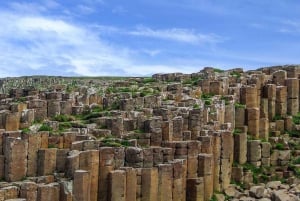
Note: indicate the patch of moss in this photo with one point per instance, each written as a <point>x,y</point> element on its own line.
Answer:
<point>213,198</point>
<point>206,96</point>
<point>239,105</point>
<point>241,185</point>
<point>296,119</point>
<point>91,115</point>
<point>193,81</point>
<point>45,127</point>
<point>227,102</point>
<point>235,74</point>
<point>21,99</point>
<point>64,125</point>
<point>148,80</point>
<point>279,146</point>
<point>138,131</point>
<point>296,161</point>
<point>63,118</point>
<point>26,130</point>
<point>277,117</point>
<point>207,102</point>
<point>237,131</point>
<point>293,133</point>
<point>217,70</point>
<point>112,142</point>
<point>295,169</point>
<point>196,106</point>
<point>97,109</point>
<point>256,171</point>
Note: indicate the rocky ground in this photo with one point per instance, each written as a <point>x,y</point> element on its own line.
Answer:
<point>274,190</point>
<point>210,135</point>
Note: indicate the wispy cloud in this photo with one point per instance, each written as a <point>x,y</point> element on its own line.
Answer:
<point>32,8</point>
<point>188,36</point>
<point>84,9</point>
<point>44,42</point>
<point>119,10</point>
<point>152,53</point>
<point>35,44</point>
<point>176,34</point>
<point>204,6</point>
<point>290,26</point>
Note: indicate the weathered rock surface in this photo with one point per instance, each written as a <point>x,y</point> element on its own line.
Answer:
<point>221,135</point>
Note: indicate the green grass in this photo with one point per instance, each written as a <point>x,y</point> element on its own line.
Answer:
<point>296,161</point>
<point>206,96</point>
<point>293,133</point>
<point>235,74</point>
<point>256,171</point>
<point>26,130</point>
<point>148,80</point>
<point>213,198</point>
<point>110,90</point>
<point>51,146</point>
<point>124,89</point>
<point>217,70</point>
<point>207,99</point>
<point>296,119</point>
<point>138,131</point>
<point>295,169</point>
<point>64,125</point>
<point>45,127</point>
<point>125,143</point>
<point>279,146</point>
<point>196,106</point>
<point>238,184</point>
<point>207,102</point>
<point>21,99</point>
<point>149,92</point>
<point>97,109</point>
<point>277,117</point>
<point>239,105</point>
<point>227,102</point>
<point>103,127</point>
<point>115,105</point>
<point>111,142</point>
<point>193,81</point>
<point>237,131</point>
<point>63,118</point>
<point>91,115</point>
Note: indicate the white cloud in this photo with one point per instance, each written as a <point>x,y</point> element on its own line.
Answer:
<point>51,4</point>
<point>32,43</point>
<point>175,34</point>
<point>151,53</point>
<point>290,26</point>
<point>27,7</point>
<point>37,44</point>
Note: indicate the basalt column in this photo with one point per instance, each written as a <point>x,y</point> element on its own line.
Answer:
<point>292,95</point>
<point>281,101</point>
<point>89,161</point>
<point>15,152</point>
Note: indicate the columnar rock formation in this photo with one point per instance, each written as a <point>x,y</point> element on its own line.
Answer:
<point>180,137</point>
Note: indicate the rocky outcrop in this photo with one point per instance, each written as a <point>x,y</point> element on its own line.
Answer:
<point>214,134</point>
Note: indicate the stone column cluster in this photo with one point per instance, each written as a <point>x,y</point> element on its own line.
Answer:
<point>193,138</point>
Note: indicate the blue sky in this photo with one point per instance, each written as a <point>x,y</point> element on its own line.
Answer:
<point>142,37</point>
